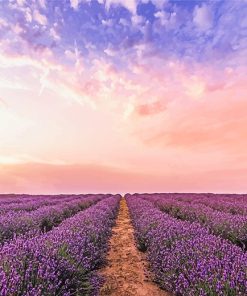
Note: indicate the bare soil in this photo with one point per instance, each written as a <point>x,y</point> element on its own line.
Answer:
<point>125,273</point>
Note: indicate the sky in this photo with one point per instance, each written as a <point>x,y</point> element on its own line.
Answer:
<point>123,96</point>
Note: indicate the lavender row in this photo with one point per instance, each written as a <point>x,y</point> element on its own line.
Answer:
<point>33,202</point>
<point>228,226</point>
<point>23,198</point>
<point>184,257</point>
<point>14,198</point>
<point>43,219</point>
<point>235,207</point>
<point>62,261</point>
<point>229,203</point>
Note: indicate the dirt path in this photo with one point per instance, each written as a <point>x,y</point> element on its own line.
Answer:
<point>124,273</point>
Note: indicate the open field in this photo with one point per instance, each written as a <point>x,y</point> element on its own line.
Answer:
<point>140,244</point>
<point>104,103</point>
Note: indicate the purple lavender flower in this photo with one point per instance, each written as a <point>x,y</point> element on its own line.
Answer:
<point>184,257</point>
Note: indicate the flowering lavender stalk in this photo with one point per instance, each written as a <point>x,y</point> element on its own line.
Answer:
<point>31,204</point>
<point>6,199</point>
<point>43,219</point>
<point>235,204</point>
<point>226,225</point>
<point>62,261</point>
<point>232,204</point>
<point>184,257</point>
<point>34,202</point>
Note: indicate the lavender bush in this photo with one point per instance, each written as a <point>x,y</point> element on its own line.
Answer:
<point>226,225</point>
<point>62,261</point>
<point>184,257</point>
<point>43,219</point>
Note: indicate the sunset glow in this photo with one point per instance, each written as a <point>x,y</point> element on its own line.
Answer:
<point>123,95</point>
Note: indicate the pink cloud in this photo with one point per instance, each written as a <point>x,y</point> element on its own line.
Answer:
<point>150,108</point>
<point>163,126</point>
<point>36,178</point>
<point>40,18</point>
<point>217,121</point>
<point>44,178</point>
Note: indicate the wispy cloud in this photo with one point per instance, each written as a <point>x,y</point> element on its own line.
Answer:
<point>135,91</point>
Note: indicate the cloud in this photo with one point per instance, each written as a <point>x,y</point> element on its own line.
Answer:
<point>51,178</point>
<point>194,86</point>
<point>150,108</point>
<point>137,20</point>
<point>168,89</point>
<point>74,4</point>
<point>35,178</point>
<point>11,84</point>
<point>54,34</point>
<point>28,15</point>
<point>131,5</point>
<point>215,123</point>
<point>21,2</point>
<point>69,54</point>
<point>110,52</point>
<point>3,23</point>
<point>203,17</point>
<point>17,29</point>
<point>42,4</point>
<point>163,16</point>
<point>159,3</point>
<point>61,80</point>
<point>72,83</point>
<point>181,30</point>
<point>39,18</point>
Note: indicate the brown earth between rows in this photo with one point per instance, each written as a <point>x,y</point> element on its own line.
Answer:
<point>125,272</point>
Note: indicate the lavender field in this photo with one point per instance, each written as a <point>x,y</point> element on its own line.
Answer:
<point>53,245</point>
<point>105,105</point>
<point>193,244</point>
